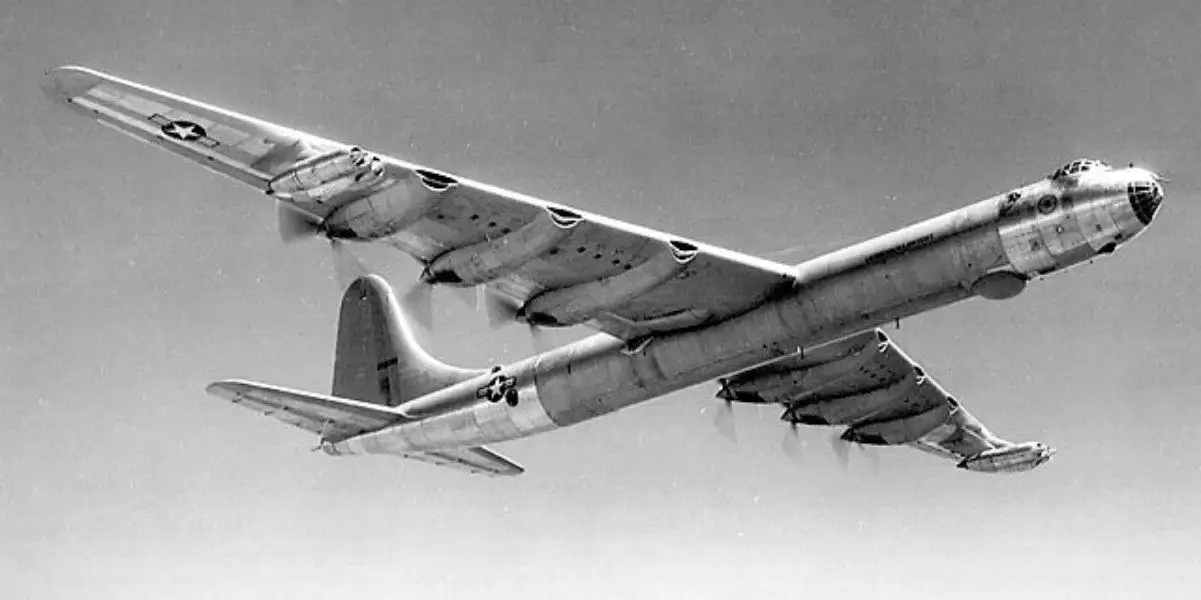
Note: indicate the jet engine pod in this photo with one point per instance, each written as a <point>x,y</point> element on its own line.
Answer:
<point>1009,459</point>
<point>999,285</point>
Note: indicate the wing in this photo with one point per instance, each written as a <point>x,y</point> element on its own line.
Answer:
<point>866,383</point>
<point>620,278</point>
<point>613,276</point>
<point>336,419</point>
<point>249,150</point>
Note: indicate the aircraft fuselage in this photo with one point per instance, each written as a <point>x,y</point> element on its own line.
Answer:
<point>990,248</point>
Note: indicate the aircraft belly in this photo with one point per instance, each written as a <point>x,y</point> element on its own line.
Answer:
<point>493,422</point>
<point>573,383</point>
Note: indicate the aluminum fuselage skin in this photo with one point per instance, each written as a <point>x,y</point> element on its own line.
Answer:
<point>1035,230</point>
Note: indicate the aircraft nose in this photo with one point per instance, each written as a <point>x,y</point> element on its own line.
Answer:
<point>1145,194</point>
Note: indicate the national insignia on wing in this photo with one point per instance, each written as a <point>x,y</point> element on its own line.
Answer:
<point>183,130</point>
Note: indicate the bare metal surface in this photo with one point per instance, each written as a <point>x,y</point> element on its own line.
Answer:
<point>500,253</point>
<point>721,313</point>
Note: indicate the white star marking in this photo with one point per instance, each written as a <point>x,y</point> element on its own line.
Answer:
<point>496,389</point>
<point>184,132</point>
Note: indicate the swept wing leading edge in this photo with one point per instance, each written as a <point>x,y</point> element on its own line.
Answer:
<point>704,284</point>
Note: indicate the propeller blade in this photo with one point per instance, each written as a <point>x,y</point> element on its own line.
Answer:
<point>842,450</point>
<point>873,458</point>
<point>466,295</point>
<point>347,266</point>
<point>792,444</point>
<point>500,311</point>
<point>295,224</point>
<point>724,422</point>
<point>418,302</point>
<point>539,340</point>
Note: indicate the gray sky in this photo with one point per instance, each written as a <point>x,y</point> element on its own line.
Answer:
<point>133,278</point>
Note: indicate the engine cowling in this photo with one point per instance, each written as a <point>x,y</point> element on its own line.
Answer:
<point>321,177</point>
<point>859,363</point>
<point>391,207</point>
<point>576,304</point>
<point>900,430</point>
<point>493,258</point>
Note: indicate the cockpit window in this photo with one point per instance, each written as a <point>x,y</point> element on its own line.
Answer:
<point>1079,166</point>
<point>1145,197</point>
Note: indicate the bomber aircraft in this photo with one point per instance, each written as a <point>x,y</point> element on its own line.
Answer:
<point>671,312</point>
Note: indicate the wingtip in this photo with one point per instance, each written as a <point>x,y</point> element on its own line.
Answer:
<point>512,471</point>
<point>216,388</point>
<point>224,388</point>
<point>69,81</point>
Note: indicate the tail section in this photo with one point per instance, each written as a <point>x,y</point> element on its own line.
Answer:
<point>377,358</point>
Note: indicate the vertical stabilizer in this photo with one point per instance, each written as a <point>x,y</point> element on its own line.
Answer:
<point>377,358</point>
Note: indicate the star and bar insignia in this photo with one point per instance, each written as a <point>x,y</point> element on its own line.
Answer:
<point>499,388</point>
<point>184,131</point>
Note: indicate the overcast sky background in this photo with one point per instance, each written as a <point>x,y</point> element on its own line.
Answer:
<point>132,278</point>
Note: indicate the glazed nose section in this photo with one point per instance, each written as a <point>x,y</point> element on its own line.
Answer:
<point>1145,196</point>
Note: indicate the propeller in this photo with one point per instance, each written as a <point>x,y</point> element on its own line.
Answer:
<point>499,309</point>
<point>467,295</point>
<point>842,450</point>
<point>792,444</point>
<point>295,224</point>
<point>873,458</point>
<point>347,266</point>
<point>502,311</point>
<point>418,302</point>
<point>724,421</point>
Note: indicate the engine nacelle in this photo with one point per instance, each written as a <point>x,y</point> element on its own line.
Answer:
<point>321,177</point>
<point>493,258</point>
<point>577,304</point>
<point>391,208</point>
<point>1011,459</point>
<point>849,408</point>
<point>838,369</point>
<point>901,430</point>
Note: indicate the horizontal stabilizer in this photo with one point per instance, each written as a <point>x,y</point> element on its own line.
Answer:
<point>336,419</point>
<point>331,417</point>
<point>473,460</point>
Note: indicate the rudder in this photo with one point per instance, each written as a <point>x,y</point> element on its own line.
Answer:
<point>377,359</point>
